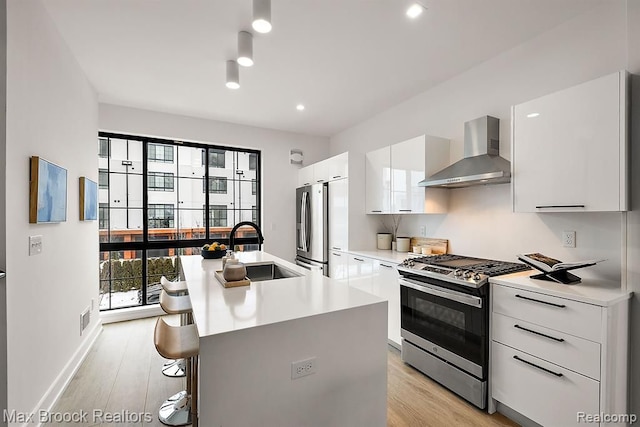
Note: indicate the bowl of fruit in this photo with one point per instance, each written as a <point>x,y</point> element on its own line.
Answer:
<point>214,250</point>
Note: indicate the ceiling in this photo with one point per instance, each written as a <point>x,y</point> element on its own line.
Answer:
<point>345,60</point>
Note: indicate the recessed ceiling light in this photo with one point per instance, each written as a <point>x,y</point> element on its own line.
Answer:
<point>300,107</point>
<point>415,10</point>
<point>532,115</point>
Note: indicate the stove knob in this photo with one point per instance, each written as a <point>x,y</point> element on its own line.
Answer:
<point>457,273</point>
<point>476,276</point>
<point>467,274</point>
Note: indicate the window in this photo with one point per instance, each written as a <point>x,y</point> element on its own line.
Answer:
<point>161,216</point>
<point>103,216</point>
<point>217,185</point>
<point>150,215</point>
<point>217,216</point>
<point>160,181</point>
<point>103,147</point>
<point>216,158</point>
<point>103,178</point>
<point>160,153</point>
<point>253,162</point>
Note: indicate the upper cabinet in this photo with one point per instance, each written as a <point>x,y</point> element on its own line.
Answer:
<point>570,149</point>
<point>393,174</point>
<point>336,167</point>
<point>378,181</point>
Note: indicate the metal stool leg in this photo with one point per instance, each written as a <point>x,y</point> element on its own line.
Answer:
<point>176,411</point>
<point>194,391</point>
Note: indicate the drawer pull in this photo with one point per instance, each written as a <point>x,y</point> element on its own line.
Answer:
<point>335,254</point>
<point>358,259</point>
<point>559,206</point>
<point>376,211</point>
<point>385,265</point>
<point>541,302</point>
<point>337,176</point>
<point>557,374</point>
<point>539,333</point>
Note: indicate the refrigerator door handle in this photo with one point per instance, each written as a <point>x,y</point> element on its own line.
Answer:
<point>301,226</point>
<point>307,222</point>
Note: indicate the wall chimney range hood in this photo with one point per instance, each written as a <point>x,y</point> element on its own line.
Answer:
<point>481,164</point>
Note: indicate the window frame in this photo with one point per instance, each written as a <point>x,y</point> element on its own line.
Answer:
<point>165,148</point>
<point>146,244</point>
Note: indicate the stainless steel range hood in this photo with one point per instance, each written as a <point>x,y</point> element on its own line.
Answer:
<point>481,164</point>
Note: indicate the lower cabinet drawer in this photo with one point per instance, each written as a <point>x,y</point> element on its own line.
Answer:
<point>546,393</point>
<point>578,354</point>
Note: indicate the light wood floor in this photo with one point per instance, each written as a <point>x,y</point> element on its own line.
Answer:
<point>122,372</point>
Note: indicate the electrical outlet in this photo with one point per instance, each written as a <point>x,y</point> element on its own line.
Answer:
<point>569,239</point>
<point>302,368</point>
<point>423,231</point>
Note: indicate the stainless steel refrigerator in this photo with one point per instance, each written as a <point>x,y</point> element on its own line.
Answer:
<point>312,227</point>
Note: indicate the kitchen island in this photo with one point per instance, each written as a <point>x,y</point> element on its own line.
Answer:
<point>250,336</point>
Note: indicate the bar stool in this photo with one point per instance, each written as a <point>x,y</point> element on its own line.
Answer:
<point>174,288</point>
<point>180,342</point>
<point>172,304</point>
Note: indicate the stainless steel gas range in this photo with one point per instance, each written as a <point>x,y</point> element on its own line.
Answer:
<point>445,319</point>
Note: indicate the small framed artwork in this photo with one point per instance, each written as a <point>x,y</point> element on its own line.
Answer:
<point>88,199</point>
<point>47,192</point>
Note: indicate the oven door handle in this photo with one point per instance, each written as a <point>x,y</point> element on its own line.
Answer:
<point>443,293</point>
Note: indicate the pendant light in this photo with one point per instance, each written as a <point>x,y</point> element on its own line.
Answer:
<point>245,49</point>
<point>261,16</point>
<point>233,75</point>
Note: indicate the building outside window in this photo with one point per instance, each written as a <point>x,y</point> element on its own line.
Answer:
<point>161,216</point>
<point>103,216</point>
<point>160,181</point>
<point>142,234</point>
<point>217,158</point>
<point>103,178</point>
<point>103,147</point>
<point>217,185</point>
<point>160,153</point>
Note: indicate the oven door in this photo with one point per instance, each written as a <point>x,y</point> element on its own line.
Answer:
<point>449,324</point>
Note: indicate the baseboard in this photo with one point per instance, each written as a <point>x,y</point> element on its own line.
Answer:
<point>515,416</point>
<point>61,382</point>
<point>124,314</point>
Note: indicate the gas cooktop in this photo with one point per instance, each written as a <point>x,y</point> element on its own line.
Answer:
<point>468,271</point>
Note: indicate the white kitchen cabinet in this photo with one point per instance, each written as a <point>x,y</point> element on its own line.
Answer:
<point>339,266</point>
<point>556,353</point>
<point>339,214</point>
<point>361,273</point>
<point>305,176</point>
<point>393,174</point>
<point>570,149</point>
<point>378,181</point>
<point>336,167</point>
<point>387,286</point>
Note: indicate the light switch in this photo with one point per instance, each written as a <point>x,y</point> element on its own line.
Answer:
<point>35,245</point>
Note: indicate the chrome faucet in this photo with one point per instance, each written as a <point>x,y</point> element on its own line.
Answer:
<point>232,234</point>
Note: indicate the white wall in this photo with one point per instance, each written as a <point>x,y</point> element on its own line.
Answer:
<point>279,177</point>
<point>3,206</point>
<point>480,221</point>
<point>52,112</point>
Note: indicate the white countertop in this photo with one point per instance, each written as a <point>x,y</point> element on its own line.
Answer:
<point>218,310</point>
<point>590,291</point>
<point>390,256</point>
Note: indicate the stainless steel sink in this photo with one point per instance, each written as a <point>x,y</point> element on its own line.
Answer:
<point>268,271</point>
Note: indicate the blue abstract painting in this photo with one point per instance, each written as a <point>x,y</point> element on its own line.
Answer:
<point>49,189</point>
<point>88,199</point>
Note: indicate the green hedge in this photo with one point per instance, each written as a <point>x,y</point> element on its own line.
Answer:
<point>126,275</point>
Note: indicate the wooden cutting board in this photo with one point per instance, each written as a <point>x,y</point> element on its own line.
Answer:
<point>438,246</point>
<point>223,282</point>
